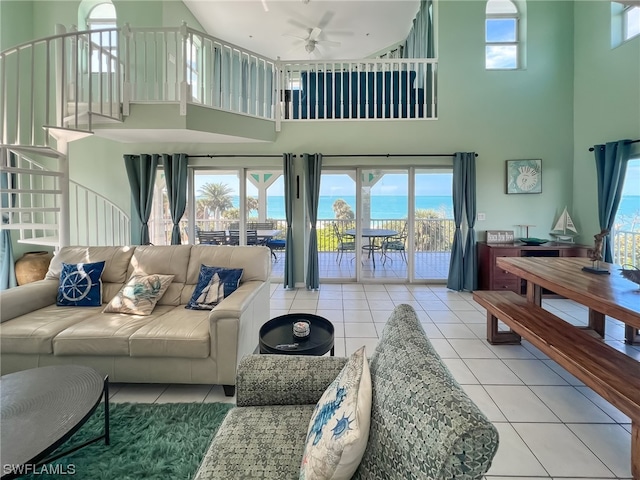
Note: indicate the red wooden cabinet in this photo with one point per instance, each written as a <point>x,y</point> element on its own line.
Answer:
<point>491,277</point>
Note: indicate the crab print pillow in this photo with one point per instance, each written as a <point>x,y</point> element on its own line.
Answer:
<point>140,294</point>
<point>339,428</point>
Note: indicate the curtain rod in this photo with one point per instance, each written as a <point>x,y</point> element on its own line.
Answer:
<point>395,155</point>
<point>231,156</point>
<point>629,142</point>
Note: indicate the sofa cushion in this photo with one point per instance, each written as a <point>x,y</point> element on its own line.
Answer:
<point>258,442</point>
<point>255,261</point>
<point>165,260</point>
<point>103,333</point>
<point>339,428</point>
<point>214,285</point>
<point>140,295</point>
<point>177,333</point>
<point>35,331</point>
<point>80,285</point>
<point>116,261</point>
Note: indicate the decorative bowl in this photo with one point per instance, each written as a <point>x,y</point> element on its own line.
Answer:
<point>631,273</point>
<point>532,241</point>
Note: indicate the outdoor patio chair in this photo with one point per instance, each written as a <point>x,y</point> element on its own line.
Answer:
<point>252,237</point>
<point>260,225</point>
<point>397,243</point>
<point>276,245</point>
<point>215,237</point>
<point>343,246</point>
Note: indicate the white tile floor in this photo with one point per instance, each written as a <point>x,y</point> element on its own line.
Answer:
<point>551,426</point>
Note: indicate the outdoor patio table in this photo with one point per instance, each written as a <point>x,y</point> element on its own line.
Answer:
<point>372,234</point>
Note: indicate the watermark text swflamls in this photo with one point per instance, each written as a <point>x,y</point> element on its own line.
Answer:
<point>33,469</point>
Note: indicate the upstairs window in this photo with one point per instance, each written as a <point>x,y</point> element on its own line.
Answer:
<point>625,21</point>
<point>104,45</point>
<point>502,35</point>
<point>630,22</point>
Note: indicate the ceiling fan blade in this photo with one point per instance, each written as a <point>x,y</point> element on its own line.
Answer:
<point>298,24</point>
<point>315,33</point>
<point>294,36</point>
<point>265,6</point>
<point>326,18</point>
<point>329,43</point>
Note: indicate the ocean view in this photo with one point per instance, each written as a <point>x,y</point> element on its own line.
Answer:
<point>395,206</point>
<point>382,206</point>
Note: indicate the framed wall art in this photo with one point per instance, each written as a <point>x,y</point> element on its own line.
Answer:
<point>524,176</point>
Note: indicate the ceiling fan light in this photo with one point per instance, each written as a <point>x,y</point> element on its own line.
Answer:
<point>310,46</point>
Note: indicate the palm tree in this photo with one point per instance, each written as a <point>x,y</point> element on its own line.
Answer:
<point>251,205</point>
<point>342,210</point>
<point>432,234</point>
<point>217,198</point>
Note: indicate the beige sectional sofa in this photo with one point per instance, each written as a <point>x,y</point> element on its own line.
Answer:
<point>172,345</point>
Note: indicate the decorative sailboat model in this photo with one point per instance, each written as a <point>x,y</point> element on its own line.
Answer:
<point>563,228</point>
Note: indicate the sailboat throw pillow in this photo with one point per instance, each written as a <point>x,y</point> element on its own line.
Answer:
<point>214,285</point>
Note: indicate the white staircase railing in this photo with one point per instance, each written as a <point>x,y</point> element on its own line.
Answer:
<point>58,82</point>
<point>34,199</point>
<point>95,219</point>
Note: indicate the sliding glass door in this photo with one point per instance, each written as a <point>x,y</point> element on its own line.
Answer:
<point>336,216</point>
<point>433,225</point>
<point>384,213</point>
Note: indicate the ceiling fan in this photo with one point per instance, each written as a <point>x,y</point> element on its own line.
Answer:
<point>311,40</point>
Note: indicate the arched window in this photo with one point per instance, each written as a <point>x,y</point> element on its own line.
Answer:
<point>104,45</point>
<point>502,35</point>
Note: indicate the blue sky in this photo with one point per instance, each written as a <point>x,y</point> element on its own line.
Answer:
<point>343,185</point>
<point>393,184</point>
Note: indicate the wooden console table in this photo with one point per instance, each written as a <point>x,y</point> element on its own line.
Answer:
<point>492,277</point>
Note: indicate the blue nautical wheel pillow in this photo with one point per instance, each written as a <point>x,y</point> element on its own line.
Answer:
<point>80,285</point>
<point>339,427</point>
<point>214,285</point>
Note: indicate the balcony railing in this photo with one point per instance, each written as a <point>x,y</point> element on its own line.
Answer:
<point>360,89</point>
<point>626,248</point>
<point>431,235</point>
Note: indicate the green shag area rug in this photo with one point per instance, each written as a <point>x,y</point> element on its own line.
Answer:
<point>148,441</point>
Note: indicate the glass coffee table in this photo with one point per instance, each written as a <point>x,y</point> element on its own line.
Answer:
<point>43,407</point>
<point>276,336</point>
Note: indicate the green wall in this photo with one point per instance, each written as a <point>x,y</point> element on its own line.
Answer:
<point>607,103</point>
<point>15,22</point>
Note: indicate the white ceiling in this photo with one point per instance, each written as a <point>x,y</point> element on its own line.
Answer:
<point>262,26</point>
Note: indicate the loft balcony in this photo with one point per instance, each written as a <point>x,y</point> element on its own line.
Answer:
<point>121,82</point>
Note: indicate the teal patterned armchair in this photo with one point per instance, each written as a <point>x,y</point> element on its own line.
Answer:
<point>423,425</point>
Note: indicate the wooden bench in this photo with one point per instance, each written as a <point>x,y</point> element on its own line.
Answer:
<point>610,373</point>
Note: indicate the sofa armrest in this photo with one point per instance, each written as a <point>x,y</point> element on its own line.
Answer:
<point>27,298</point>
<point>237,302</point>
<point>234,325</point>
<point>284,379</point>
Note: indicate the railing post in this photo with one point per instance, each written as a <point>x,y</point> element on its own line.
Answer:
<point>126,85</point>
<point>184,87</point>
<point>64,223</point>
<point>59,76</point>
<point>280,94</point>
